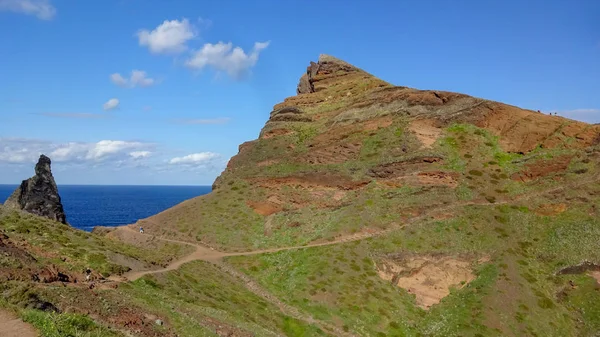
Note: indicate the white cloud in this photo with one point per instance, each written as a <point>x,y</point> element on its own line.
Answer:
<point>119,80</point>
<point>111,104</point>
<point>100,151</point>
<point>221,120</point>
<point>21,151</point>
<point>43,9</point>
<point>138,78</point>
<point>225,57</point>
<point>195,159</point>
<point>169,37</point>
<point>139,154</point>
<point>108,147</point>
<point>97,162</point>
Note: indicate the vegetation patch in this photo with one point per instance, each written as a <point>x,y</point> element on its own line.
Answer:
<point>60,325</point>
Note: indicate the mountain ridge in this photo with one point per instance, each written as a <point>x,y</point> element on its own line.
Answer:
<point>329,124</point>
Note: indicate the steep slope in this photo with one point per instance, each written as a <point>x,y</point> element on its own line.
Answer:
<point>347,141</point>
<point>39,194</point>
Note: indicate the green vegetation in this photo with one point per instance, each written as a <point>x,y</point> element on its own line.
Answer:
<point>193,300</point>
<point>305,133</point>
<point>340,282</point>
<point>60,325</point>
<point>482,147</point>
<point>77,250</point>
<point>583,301</point>
<point>203,292</point>
<point>333,285</point>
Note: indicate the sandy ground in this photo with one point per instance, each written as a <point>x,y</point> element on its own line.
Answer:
<point>429,278</point>
<point>11,326</point>
<point>426,131</point>
<point>596,275</point>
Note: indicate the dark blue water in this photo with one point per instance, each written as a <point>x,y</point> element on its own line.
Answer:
<point>89,206</point>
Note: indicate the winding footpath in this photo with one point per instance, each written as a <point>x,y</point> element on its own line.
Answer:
<point>11,326</point>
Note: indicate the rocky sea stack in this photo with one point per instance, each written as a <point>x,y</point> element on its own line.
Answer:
<point>39,194</point>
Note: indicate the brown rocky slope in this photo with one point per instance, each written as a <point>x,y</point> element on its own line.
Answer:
<point>347,131</point>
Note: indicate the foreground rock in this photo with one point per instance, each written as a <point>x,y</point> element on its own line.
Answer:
<point>39,194</point>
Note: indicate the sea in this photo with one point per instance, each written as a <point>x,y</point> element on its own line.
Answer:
<point>87,206</point>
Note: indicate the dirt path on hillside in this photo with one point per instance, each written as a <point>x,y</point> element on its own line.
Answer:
<point>11,326</point>
<point>204,253</point>
<point>208,254</point>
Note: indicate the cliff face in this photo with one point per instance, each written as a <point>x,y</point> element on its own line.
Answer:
<point>349,141</point>
<point>39,194</point>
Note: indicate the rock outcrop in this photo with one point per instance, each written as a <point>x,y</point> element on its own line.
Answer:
<point>39,194</point>
<point>326,65</point>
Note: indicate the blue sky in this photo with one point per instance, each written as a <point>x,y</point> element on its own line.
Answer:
<point>163,92</point>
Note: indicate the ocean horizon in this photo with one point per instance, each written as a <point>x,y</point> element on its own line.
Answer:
<point>88,206</point>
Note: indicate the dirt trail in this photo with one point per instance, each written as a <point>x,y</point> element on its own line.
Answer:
<point>11,326</point>
<point>210,255</point>
<point>207,254</point>
<point>201,253</point>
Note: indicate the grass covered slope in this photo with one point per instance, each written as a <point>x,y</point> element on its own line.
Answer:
<point>73,250</point>
<point>515,253</point>
<point>42,279</point>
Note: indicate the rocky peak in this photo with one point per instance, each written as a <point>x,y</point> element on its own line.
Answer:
<point>42,168</point>
<point>39,194</point>
<point>327,67</point>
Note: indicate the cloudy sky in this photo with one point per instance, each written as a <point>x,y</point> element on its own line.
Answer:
<point>163,92</point>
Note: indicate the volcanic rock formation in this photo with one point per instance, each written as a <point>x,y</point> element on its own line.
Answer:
<point>39,194</point>
<point>347,138</point>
